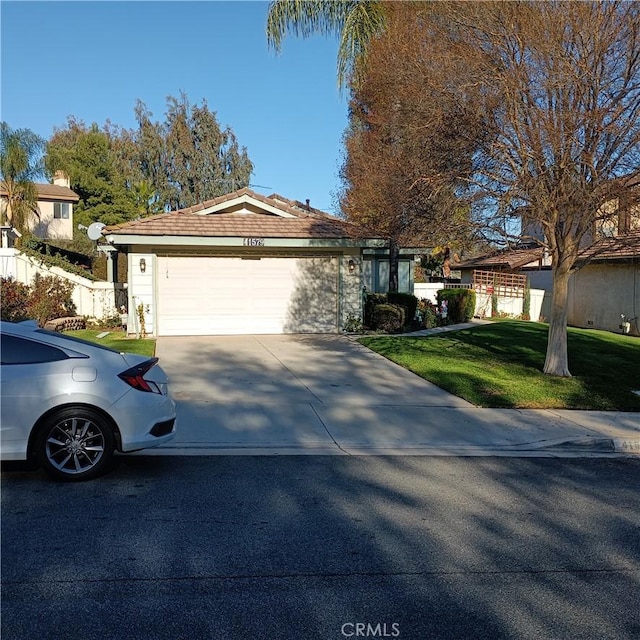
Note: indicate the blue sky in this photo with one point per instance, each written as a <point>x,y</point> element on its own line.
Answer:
<point>93,60</point>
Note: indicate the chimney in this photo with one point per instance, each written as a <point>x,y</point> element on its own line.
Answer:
<point>61,179</point>
<point>307,201</point>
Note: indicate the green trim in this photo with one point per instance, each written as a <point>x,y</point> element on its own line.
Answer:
<point>384,251</point>
<point>199,241</point>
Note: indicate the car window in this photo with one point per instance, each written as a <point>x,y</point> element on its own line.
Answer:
<point>16,350</point>
<point>76,340</point>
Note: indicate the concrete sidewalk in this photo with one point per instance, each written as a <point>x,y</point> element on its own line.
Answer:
<point>329,395</point>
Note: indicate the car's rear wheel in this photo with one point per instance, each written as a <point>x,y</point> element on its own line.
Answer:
<point>75,444</point>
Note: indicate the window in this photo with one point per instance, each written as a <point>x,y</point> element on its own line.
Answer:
<point>404,276</point>
<point>376,275</point>
<point>61,210</point>
<point>15,350</point>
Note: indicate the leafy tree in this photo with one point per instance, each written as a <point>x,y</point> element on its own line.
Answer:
<point>123,174</point>
<point>146,198</point>
<point>20,165</point>
<point>356,22</point>
<point>188,159</point>
<point>47,298</point>
<point>88,156</point>
<point>411,139</point>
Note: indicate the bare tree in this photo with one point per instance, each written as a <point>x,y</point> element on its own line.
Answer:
<point>565,126</point>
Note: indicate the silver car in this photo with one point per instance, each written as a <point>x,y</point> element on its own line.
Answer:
<point>71,404</point>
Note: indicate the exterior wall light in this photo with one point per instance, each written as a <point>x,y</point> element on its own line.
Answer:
<point>352,266</point>
<point>143,265</point>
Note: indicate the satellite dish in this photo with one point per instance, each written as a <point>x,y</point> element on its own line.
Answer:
<point>94,230</point>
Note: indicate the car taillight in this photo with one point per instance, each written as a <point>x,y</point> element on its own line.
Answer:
<point>135,377</point>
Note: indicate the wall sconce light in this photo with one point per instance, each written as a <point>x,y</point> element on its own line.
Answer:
<point>352,266</point>
<point>143,265</point>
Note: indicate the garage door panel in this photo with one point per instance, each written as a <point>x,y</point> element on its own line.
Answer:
<point>209,296</point>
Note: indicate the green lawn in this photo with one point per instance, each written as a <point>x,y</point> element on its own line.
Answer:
<point>500,365</point>
<point>118,340</point>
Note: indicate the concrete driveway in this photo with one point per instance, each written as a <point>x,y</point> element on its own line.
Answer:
<point>327,394</point>
<point>288,392</point>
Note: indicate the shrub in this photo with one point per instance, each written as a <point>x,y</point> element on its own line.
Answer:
<point>428,313</point>
<point>14,296</point>
<point>461,304</point>
<point>526,304</point>
<point>370,301</point>
<point>141,319</point>
<point>352,324</point>
<point>388,317</point>
<point>50,298</point>
<point>406,300</point>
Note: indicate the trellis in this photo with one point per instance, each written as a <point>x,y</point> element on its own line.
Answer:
<point>510,285</point>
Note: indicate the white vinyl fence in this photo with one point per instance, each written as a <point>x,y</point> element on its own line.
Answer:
<point>93,299</point>
<point>510,305</point>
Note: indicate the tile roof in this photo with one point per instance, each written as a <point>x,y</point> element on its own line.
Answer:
<point>299,223</point>
<point>624,247</point>
<point>48,191</point>
<point>507,258</point>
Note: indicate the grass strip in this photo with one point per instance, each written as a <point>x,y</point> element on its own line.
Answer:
<point>500,365</point>
<point>118,340</point>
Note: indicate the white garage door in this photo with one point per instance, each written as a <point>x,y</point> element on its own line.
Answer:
<point>222,296</point>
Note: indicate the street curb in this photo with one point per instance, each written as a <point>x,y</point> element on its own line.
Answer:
<point>626,445</point>
<point>561,447</point>
<point>587,444</point>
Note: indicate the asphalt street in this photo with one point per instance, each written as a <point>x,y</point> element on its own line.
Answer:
<point>242,547</point>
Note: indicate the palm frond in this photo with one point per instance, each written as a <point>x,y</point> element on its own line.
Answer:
<point>355,22</point>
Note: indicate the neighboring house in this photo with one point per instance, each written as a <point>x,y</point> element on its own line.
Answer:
<point>55,210</point>
<point>607,287</point>
<point>55,206</point>
<point>244,263</point>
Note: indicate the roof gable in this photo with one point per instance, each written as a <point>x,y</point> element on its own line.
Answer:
<point>242,202</point>
<point>241,214</point>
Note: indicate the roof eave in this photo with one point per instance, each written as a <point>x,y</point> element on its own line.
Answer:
<point>51,198</point>
<point>237,241</point>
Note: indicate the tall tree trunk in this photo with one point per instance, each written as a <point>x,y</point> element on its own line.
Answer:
<point>557,360</point>
<point>394,259</point>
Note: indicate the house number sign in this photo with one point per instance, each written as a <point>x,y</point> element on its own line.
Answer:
<point>253,242</point>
